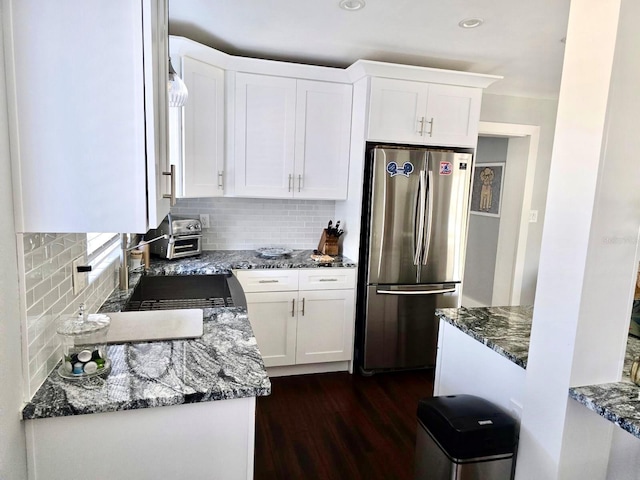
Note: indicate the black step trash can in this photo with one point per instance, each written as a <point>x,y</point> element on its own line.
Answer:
<point>463,437</point>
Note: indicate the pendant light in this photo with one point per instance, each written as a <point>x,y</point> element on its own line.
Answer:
<point>178,92</point>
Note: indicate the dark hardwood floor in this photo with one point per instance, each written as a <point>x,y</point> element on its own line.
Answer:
<point>340,426</point>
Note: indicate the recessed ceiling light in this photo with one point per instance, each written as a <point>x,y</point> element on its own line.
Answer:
<point>471,22</point>
<point>351,5</point>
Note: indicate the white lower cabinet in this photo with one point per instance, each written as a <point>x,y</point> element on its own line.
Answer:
<point>276,328</point>
<point>325,326</point>
<point>301,316</point>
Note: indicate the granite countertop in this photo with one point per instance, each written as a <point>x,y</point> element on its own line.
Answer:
<point>224,363</point>
<point>618,402</point>
<point>223,261</point>
<point>507,330</point>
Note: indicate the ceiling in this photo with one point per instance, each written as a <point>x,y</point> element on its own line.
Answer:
<point>520,39</point>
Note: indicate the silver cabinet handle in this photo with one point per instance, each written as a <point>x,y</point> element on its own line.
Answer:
<point>268,281</point>
<point>290,178</point>
<point>328,280</point>
<point>220,184</point>
<point>171,196</point>
<point>293,307</point>
<point>421,122</point>
<point>299,182</point>
<point>430,132</point>
<point>303,307</point>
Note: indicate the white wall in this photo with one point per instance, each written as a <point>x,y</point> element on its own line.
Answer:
<point>249,223</point>
<point>12,440</point>
<point>588,257</point>
<point>528,111</point>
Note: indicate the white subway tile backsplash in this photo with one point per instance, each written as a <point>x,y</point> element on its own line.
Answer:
<point>247,223</point>
<point>48,295</point>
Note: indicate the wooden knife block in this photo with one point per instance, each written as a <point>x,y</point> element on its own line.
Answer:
<point>328,245</point>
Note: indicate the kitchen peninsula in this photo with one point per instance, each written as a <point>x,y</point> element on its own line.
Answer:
<point>207,388</point>
<point>484,351</point>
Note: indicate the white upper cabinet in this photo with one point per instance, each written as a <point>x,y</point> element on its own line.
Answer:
<point>323,127</point>
<point>415,112</point>
<point>88,114</point>
<point>291,137</point>
<point>203,130</point>
<point>265,115</point>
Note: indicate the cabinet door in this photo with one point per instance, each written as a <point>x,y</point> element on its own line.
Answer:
<point>397,110</point>
<point>325,326</point>
<point>78,134</point>
<point>323,133</point>
<point>264,135</point>
<point>273,319</point>
<point>453,115</point>
<point>203,124</point>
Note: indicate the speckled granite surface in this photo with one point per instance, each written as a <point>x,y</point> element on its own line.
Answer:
<point>618,402</point>
<point>224,364</point>
<point>223,261</point>
<point>505,330</point>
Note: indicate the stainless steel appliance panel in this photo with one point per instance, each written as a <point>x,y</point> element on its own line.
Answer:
<point>418,215</point>
<point>401,325</point>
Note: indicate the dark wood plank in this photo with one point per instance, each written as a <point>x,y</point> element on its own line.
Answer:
<point>340,426</point>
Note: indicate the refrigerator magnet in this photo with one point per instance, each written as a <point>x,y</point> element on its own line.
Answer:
<point>393,170</point>
<point>446,168</point>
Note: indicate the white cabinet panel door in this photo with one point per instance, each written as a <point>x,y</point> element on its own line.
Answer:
<point>265,109</point>
<point>423,113</point>
<point>325,326</point>
<point>203,162</point>
<point>87,108</point>
<point>323,128</point>
<point>453,114</point>
<point>273,319</point>
<point>397,110</point>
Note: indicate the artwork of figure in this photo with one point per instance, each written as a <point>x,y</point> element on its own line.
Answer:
<point>486,176</point>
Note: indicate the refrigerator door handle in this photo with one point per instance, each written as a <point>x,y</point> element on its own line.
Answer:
<point>413,290</point>
<point>420,212</point>
<point>427,239</point>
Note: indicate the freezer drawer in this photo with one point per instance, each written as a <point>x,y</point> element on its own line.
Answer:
<point>401,329</point>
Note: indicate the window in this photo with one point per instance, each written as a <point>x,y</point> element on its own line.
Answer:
<point>98,243</point>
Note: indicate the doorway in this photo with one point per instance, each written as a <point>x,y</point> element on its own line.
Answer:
<point>496,244</point>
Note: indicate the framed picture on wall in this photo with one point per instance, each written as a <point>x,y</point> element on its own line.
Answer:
<point>486,189</point>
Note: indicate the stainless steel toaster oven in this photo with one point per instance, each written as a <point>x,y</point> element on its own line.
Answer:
<point>184,237</point>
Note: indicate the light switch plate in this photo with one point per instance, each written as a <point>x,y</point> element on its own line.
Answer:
<point>79,279</point>
<point>533,216</point>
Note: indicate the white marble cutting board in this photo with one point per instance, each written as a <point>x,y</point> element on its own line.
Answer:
<point>154,325</point>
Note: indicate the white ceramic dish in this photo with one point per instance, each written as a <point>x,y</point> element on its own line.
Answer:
<point>273,252</point>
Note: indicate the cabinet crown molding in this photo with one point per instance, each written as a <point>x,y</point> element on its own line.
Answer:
<point>361,68</point>
<point>370,68</point>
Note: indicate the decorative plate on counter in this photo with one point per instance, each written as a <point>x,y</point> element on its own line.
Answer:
<point>273,252</point>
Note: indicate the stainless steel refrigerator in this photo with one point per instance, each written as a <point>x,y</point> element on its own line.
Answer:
<point>414,229</point>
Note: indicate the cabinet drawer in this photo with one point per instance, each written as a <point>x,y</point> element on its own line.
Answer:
<point>274,280</point>
<point>327,279</point>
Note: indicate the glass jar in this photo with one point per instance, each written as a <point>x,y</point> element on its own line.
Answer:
<point>84,347</point>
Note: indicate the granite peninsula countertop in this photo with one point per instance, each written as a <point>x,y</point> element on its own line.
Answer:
<point>507,330</point>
